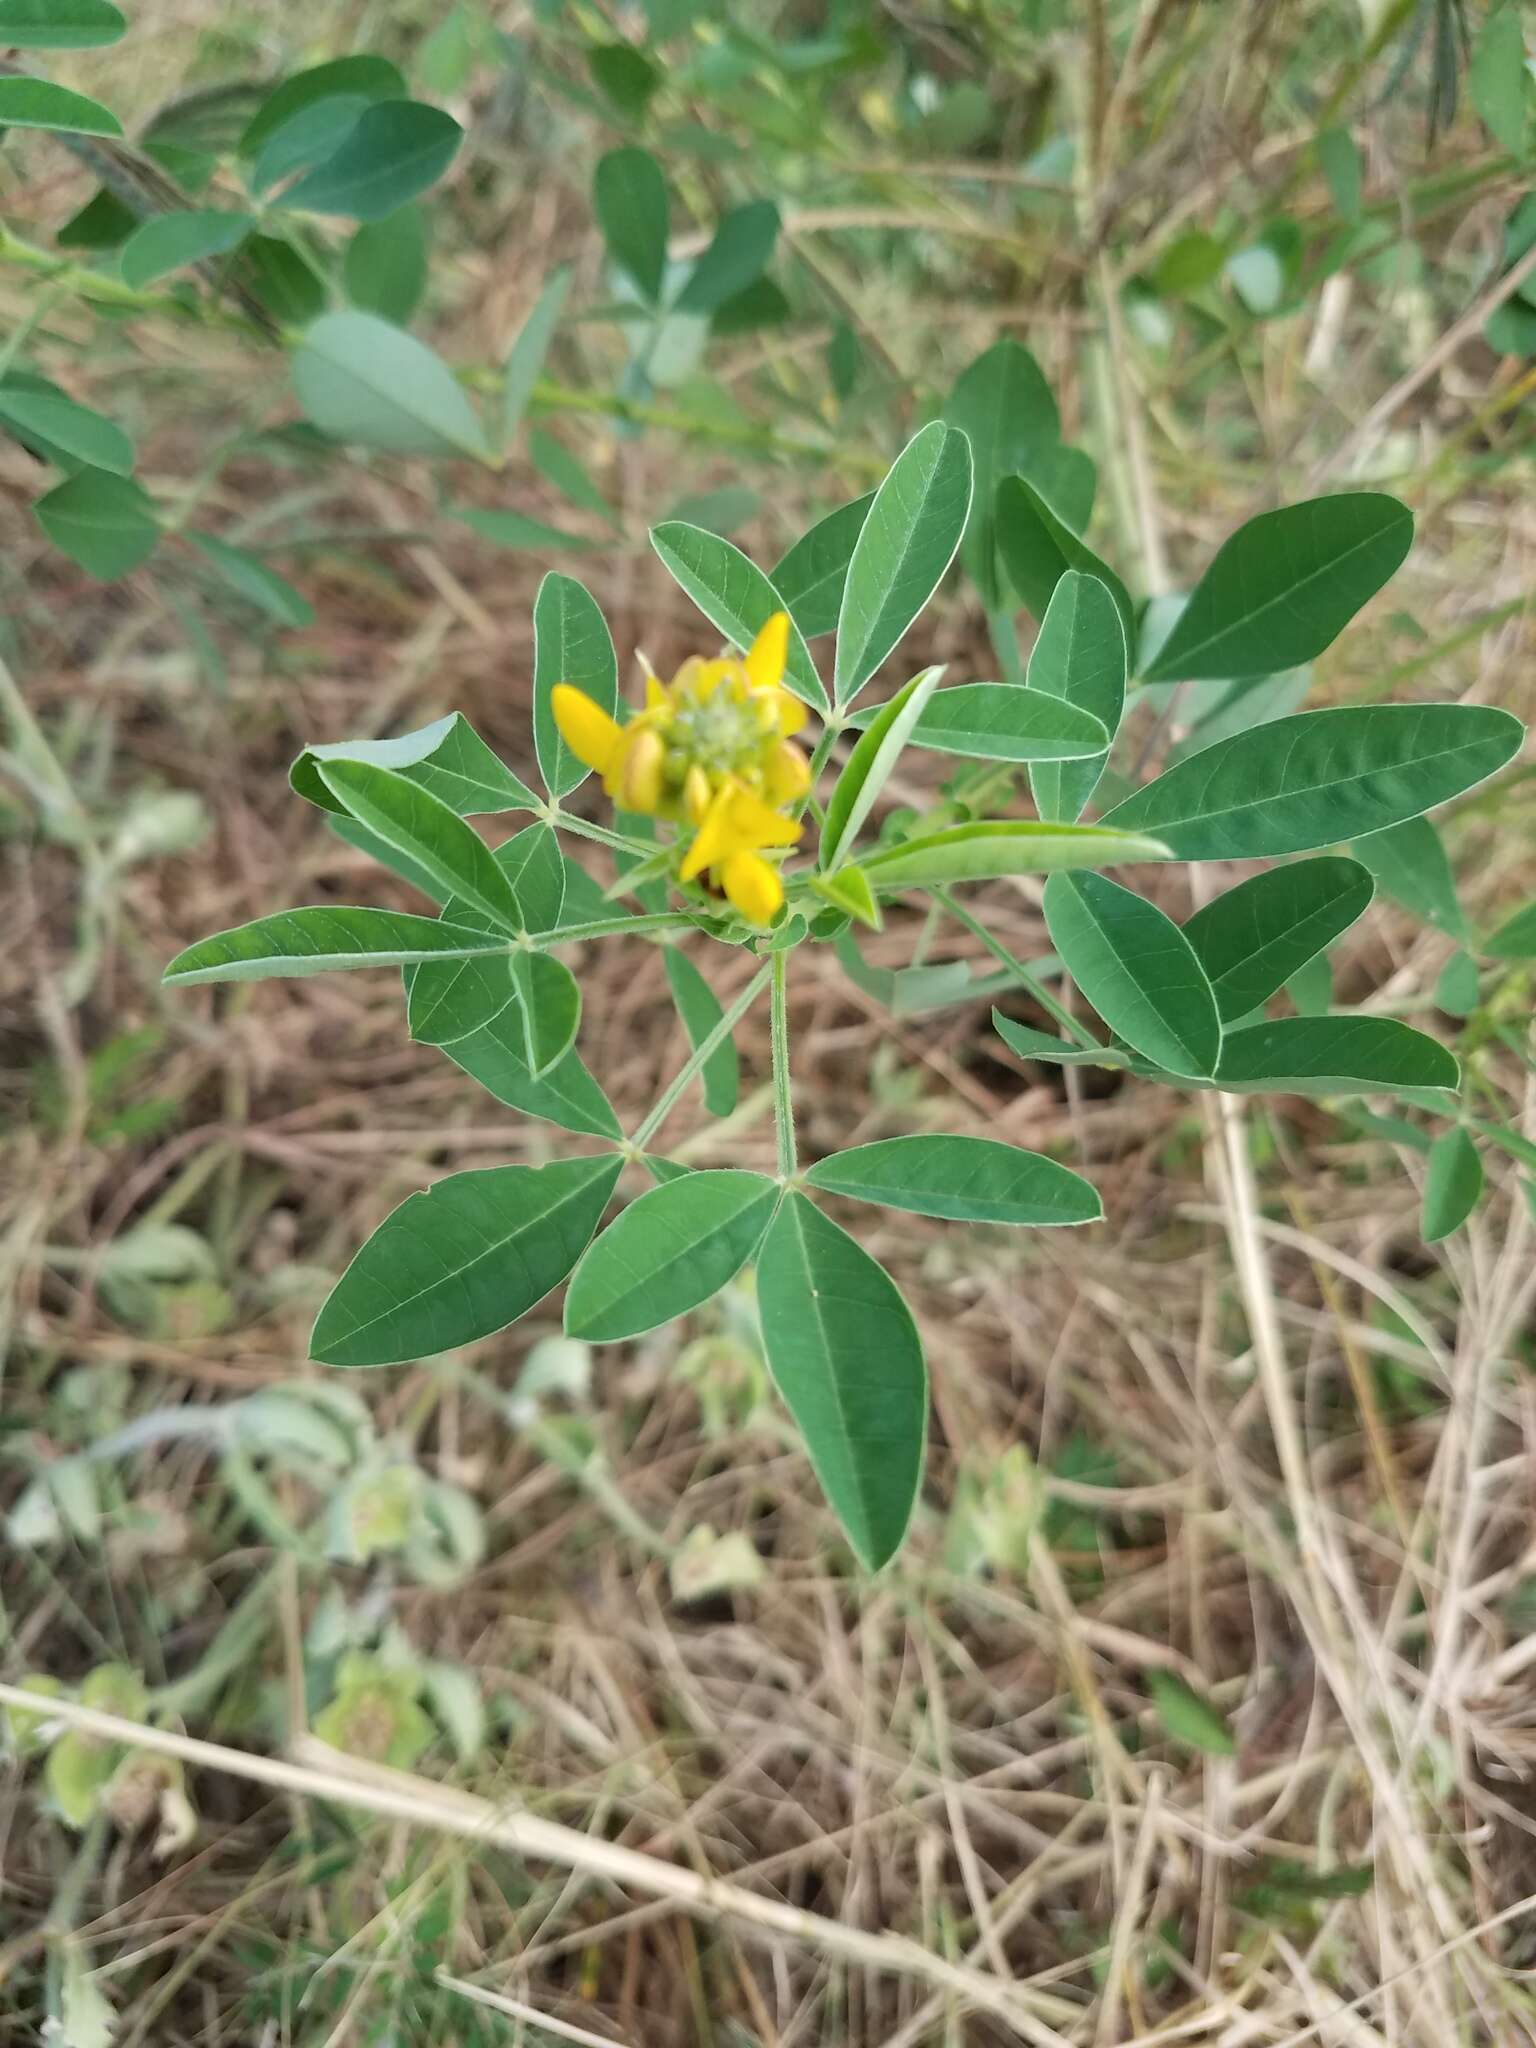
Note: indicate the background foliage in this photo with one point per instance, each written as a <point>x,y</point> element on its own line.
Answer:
<point>1209,1701</point>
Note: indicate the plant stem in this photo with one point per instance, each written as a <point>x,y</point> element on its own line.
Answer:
<point>614,927</point>
<point>1017,969</point>
<point>700,1054</point>
<point>584,828</point>
<point>783,1101</point>
<point>1005,639</point>
<point>231,1647</point>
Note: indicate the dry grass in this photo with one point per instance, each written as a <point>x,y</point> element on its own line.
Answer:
<point>1303,1480</point>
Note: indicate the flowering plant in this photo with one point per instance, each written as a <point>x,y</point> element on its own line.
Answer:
<point>715,804</point>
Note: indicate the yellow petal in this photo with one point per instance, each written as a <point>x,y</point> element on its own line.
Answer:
<point>585,726</point>
<point>711,843</point>
<point>792,714</point>
<point>642,761</point>
<point>656,698</point>
<point>751,823</point>
<point>696,794</point>
<point>753,886</point>
<point>768,653</point>
<point>786,774</point>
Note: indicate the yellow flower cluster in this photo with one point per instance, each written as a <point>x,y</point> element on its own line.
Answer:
<point>713,749</point>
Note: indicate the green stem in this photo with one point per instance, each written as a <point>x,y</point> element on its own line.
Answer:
<point>1005,638</point>
<point>783,1101</point>
<point>700,1054</point>
<point>583,828</point>
<point>613,927</point>
<point>1016,968</point>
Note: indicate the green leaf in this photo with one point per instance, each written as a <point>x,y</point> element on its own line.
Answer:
<point>1000,722</point>
<point>1067,481</point>
<point>255,582</point>
<point>282,280</point>
<point>1339,161</point>
<point>59,24</point>
<point>1080,657</point>
<point>396,150</point>
<point>624,75</point>
<point>1310,988</point>
<point>493,1055</point>
<point>699,1008</point>
<point>970,1180</point>
<point>447,757</point>
<point>629,197</point>
<point>869,765</point>
<point>1318,777</point>
<point>1332,1056</point>
<point>735,258</point>
<point>1410,863</point>
<point>516,530</point>
<point>1137,969</point>
<point>1453,1184</point>
<point>464,1259</point>
<point>905,545</point>
<point>734,595</point>
<point>102,223</point>
<point>1060,1052</point>
<point>846,1358</point>
<point>1038,549</point>
<point>1006,846</point>
<point>427,832</point>
<point>667,1252</point>
<point>550,1002</point>
<point>361,380</point>
<point>848,891</point>
<point>1285,586</point>
<point>1255,700</point>
<point>1251,940</point>
<point>446,1000</point>
<point>73,430</point>
<point>1496,76</point>
<point>571,644</point>
<point>525,360</point>
<point>363,79</point>
<point>385,270</point>
<point>174,240</point>
<point>811,577</point>
<point>1188,1718</point>
<point>720,511</point>
<point>105,523</point>
<point>569,475</point>
<point>314,940</point>
<point>1456,987</point>
<point>39,103</point>
<point>1004,406</point>
<point>1515,938</point>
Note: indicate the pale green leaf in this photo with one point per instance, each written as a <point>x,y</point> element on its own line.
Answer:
<point>525,360</point>
<point>1515,938</point>
<point>1410,863</point>
<point>106,523</point>
<point>71,429</point>
<point>360,379</point>
<point>386,265</point>
<point>869,765</point>
<point>1188,1717</point>
<point>1000,722</point>
<point>1058,1052</point>
<point>1497,78</point>
<point>255,582</point>
<point>173,240</point>
<point>1008,846</point>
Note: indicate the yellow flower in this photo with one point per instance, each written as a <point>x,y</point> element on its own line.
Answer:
<point>712,749</point>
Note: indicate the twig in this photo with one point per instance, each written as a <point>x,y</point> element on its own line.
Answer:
<point>320,1772</point>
